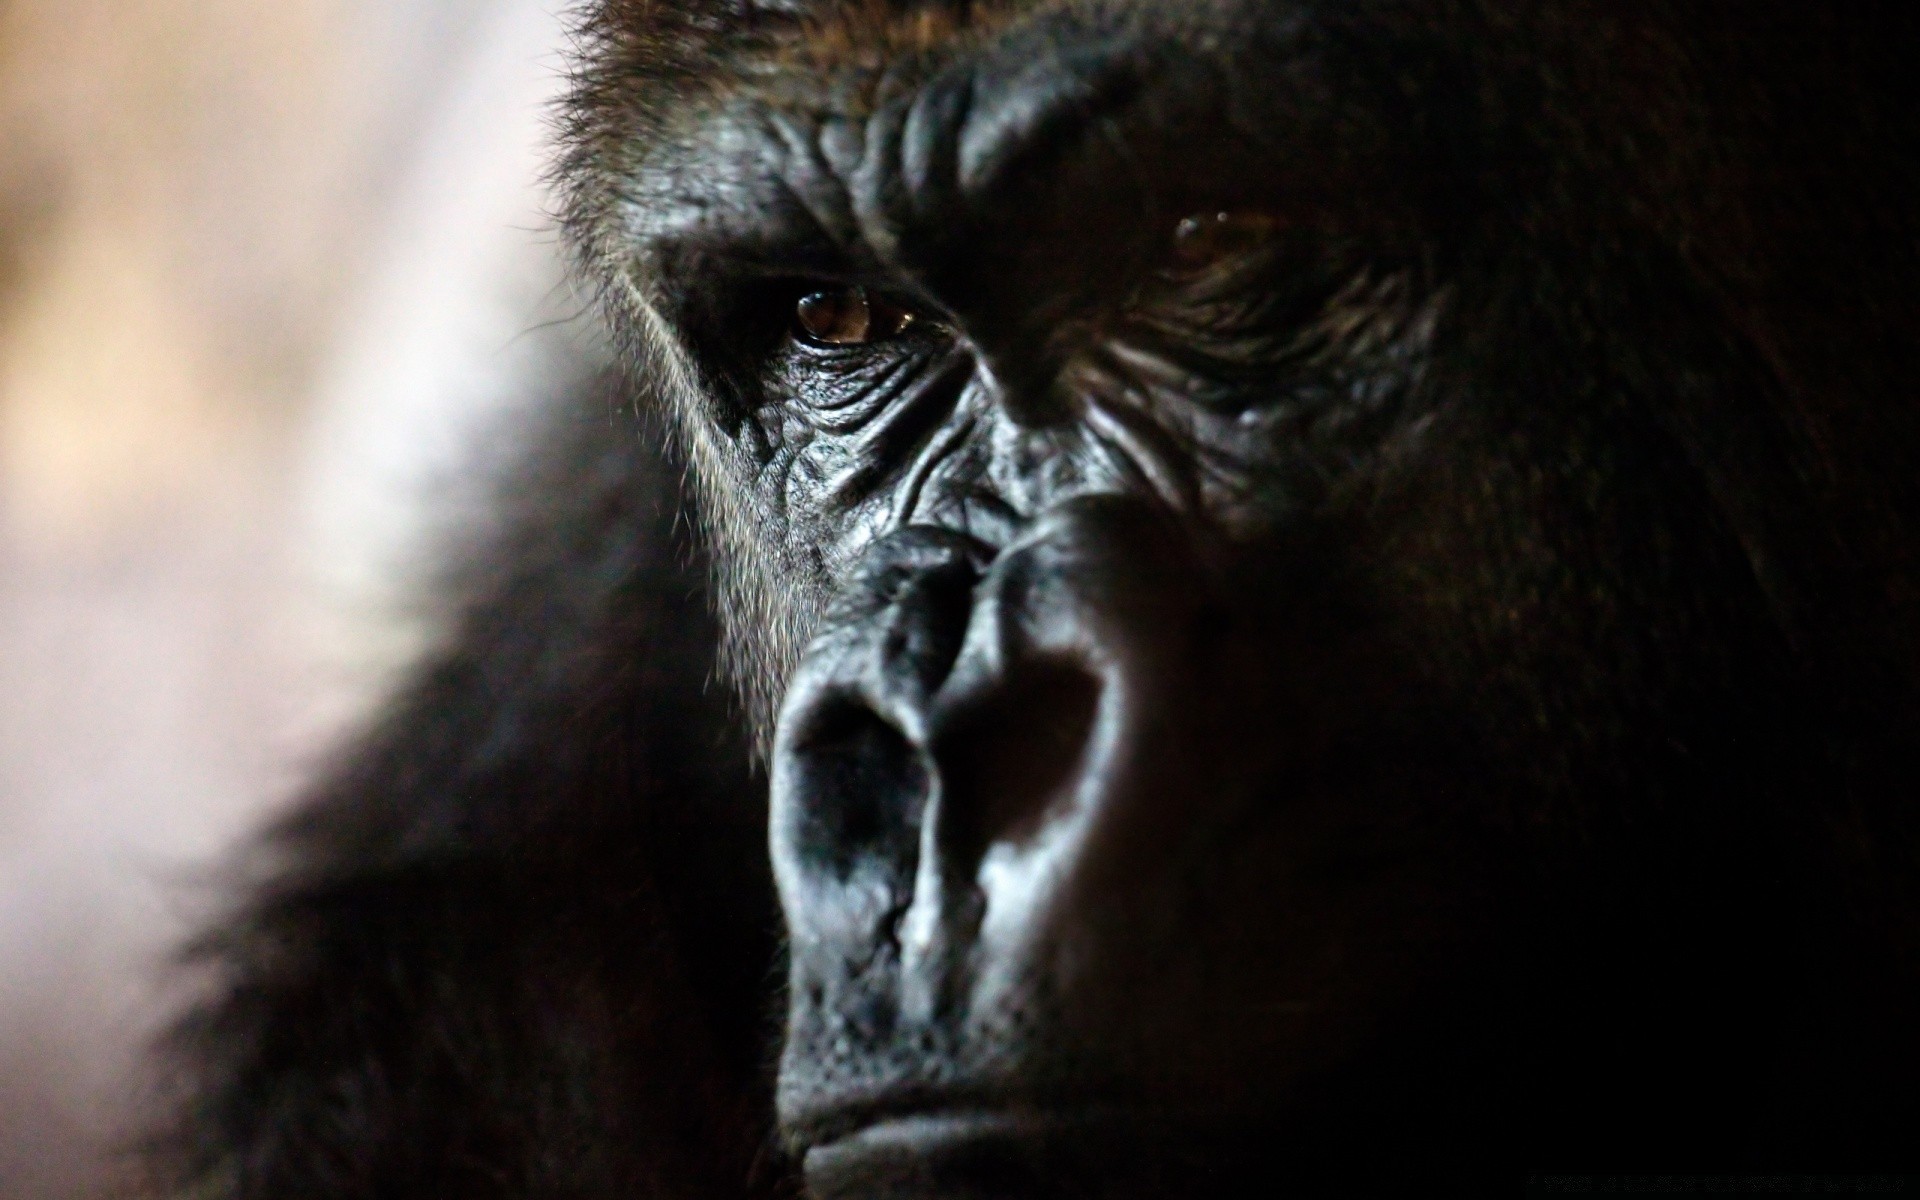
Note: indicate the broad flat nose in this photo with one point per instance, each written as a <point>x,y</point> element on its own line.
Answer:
<point>970,746</point>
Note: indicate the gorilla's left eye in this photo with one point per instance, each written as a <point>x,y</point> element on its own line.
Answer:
<point>1207,240</point>
<point>848,316</point>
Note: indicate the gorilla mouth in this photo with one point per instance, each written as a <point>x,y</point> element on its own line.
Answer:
<point>934,1152</point>
<point>962,1153</point>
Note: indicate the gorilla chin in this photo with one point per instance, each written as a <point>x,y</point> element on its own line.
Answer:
<point>1326,592</point>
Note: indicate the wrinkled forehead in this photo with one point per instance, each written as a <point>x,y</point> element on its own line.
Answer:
<point>653,73</point>
<point>1500,37</point>
<point>674,98</point>
<point>868,119</point>
<point>663,59</point>
<point>762,38</point>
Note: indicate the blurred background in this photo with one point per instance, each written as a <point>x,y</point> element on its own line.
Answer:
<point>268,273</point>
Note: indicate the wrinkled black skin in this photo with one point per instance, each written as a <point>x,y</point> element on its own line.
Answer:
<point>1530,669</point>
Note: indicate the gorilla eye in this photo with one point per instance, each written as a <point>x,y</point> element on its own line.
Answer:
<point>848,316</point>
<point>1202,240</point>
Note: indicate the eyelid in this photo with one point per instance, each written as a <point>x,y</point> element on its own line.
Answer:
<point>1205,239</point>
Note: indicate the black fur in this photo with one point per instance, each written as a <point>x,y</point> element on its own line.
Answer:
<point>481,960</point>
<point>1603,596</point>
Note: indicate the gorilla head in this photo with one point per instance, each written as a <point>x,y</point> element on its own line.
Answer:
<point>1324,588</point>
<point>1353,555</point>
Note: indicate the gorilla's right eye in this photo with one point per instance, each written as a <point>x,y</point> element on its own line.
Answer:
<point>848,316</point>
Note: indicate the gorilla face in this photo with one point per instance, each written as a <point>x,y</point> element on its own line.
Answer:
<point>1295,547</point>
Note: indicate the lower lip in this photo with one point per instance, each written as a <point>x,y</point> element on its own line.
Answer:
<point>938,1155</point>
<point>981,1155</point>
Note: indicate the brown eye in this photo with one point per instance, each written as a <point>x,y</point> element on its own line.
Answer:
<point>849,316</point>
<point>1204,239</point>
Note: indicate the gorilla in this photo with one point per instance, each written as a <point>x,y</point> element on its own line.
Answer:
<point>1169,597</point>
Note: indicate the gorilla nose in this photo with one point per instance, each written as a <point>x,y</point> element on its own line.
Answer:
<point>972,746</point>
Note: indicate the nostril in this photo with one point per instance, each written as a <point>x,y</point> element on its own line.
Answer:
<point>1009,763</point>
<point>861,789</point>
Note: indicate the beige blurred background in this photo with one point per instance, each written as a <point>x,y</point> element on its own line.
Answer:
<point>268,271</point>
